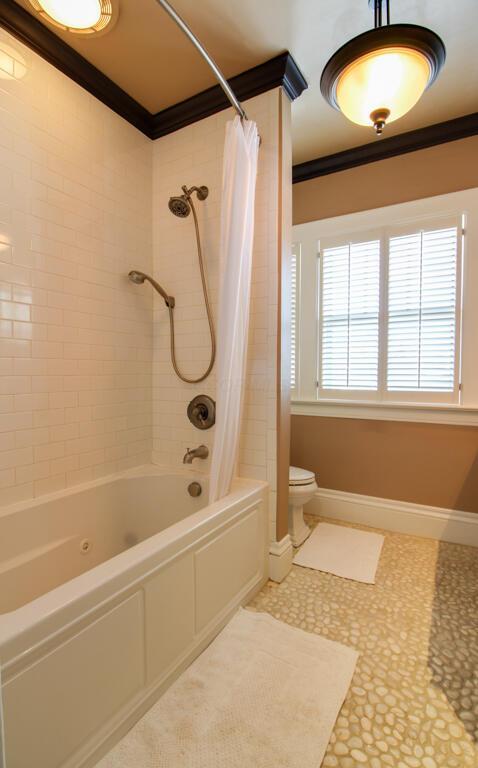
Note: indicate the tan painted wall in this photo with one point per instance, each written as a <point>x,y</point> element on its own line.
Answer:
<point>422,463</point>
<point>434,171</point>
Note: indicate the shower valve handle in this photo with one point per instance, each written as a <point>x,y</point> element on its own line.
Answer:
<point>200,412</point>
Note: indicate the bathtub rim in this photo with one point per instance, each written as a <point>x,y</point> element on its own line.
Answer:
<point>26,627</point>
<point>149,470</point>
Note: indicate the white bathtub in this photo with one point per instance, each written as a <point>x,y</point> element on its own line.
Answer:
<point>107,592</point>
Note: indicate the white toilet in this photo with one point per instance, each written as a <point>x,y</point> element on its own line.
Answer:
<point>302,487</point>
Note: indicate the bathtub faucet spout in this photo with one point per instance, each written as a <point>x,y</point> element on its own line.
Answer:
<point>196,453</point>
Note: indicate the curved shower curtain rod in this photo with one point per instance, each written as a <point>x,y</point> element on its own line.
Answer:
<point>210,61</point>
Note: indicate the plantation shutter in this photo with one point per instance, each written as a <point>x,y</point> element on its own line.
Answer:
<point>349,310</point>
<point>422,289</point>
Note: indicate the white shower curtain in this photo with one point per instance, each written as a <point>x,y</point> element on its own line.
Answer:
<point>237,233</point>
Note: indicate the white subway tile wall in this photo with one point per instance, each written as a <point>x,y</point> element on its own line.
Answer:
<point>85,375</point>
<point>193,156</point>
<point>75,335</point>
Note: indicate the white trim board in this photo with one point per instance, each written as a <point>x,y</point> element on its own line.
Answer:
<point>281,555</point>
<point>381,411</point>
<point>400,516</point>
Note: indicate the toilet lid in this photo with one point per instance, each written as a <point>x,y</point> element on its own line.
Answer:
<point>298,476</point>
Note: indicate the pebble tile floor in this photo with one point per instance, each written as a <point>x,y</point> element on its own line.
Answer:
<point>413,701</point>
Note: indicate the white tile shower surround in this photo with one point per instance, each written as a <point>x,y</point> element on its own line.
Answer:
<point>76,346</point>
<point>193,155</point>
<point>75,336</point>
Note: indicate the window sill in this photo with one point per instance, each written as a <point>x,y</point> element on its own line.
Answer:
<point>353,409</point>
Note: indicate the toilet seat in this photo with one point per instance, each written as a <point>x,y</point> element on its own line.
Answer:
<point>298,476</point>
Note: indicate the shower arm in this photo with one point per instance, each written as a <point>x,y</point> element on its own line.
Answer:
<point>211,63</point>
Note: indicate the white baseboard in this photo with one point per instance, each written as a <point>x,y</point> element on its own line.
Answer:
<point>281,555</point>
<point>400,516</point>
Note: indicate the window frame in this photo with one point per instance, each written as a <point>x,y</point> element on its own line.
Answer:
<point>429,211</point>
<point>383,235</point>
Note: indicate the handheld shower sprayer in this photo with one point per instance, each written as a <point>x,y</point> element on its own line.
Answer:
<point>139,277</point>
<point>182,206</point>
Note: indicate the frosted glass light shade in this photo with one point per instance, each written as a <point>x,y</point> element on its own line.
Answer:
<point>378,76</point>
<point>81,16</point>
<point>391,79</point>
<point>75,14</point>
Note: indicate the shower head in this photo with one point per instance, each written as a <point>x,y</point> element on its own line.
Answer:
<point>180,206</point>
<point>137,277</point>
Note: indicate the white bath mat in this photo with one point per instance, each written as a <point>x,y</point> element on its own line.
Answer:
<point>263,695</point>
<point>342,551</point>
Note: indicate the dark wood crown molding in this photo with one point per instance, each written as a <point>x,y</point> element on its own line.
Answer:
<point>282,70</point>
<point>49,46</point>
<point>279,71</point>
<point>381,149</point>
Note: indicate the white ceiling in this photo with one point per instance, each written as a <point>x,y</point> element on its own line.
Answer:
<point>150,59</point>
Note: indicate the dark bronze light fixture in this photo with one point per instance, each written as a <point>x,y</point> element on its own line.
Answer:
<point>380,75</point>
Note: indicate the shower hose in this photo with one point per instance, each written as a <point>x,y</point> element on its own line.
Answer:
<point>208,312</point>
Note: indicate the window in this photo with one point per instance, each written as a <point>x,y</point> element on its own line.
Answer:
<point>389,315</point>
<point>422,282</point>
<point>350,283</point>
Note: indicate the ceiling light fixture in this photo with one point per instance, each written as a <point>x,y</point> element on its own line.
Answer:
<point>380,75</point>
<point>80,16</point>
